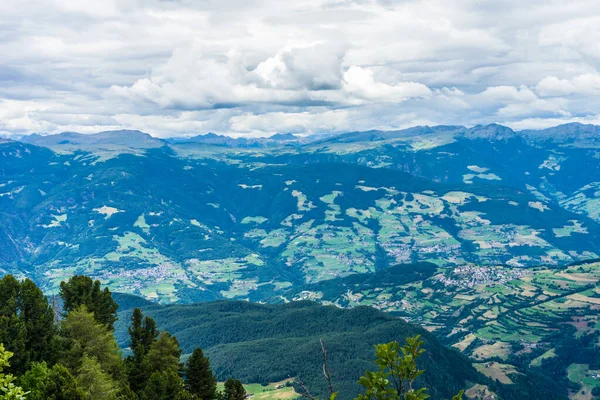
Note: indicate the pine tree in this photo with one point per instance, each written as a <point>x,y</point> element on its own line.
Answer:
<point>38,317</point>
<point>200,379</point>
<point>135,330</point>
<point>234,390</point>
<point>185,395</point>
<point>162,385</point>
<point>26,323</point>
<point>164,355</point>
<point>82,290</point>
<point>142,334</point>
<point>82,335</point>
<point>13,333</point>
<point>94,382</point>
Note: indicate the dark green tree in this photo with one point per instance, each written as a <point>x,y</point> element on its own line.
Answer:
<point>199,378</point>
<point>142,334</point>
<point>61,385</point>
<point>26,323</point>
<point>162,385</point>
<point>13,333</point>
<point>185,395</point>
<point>234,390</point>
<point>38,316</point>
<point>82,290</point>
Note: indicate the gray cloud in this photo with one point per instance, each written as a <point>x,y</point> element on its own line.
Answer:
<point>259,67</point>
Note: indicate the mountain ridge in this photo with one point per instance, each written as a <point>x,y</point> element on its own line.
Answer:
<point>569,129</point>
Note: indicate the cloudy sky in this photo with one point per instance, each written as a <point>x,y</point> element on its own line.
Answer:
<point>257,67</point>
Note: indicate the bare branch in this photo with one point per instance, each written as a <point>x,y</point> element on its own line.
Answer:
<point>306,393</point>
<point>326,371</point>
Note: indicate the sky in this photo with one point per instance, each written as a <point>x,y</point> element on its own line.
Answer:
<point>257,67</point>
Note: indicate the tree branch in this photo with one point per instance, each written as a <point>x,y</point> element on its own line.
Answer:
<point>326,371</point>
<point>306,394</point>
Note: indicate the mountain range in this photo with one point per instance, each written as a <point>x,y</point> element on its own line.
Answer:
<point>484,235</point>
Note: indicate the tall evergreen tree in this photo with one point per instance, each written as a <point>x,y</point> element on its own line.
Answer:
<point>142,334</point>
<point>38,317</point>
<point>162,385</point>
<point>82,290</point>
<point>135,330</point>
<point>164,355</point>
<point>26,323</point>
<point>13,333</point>
<point>200,379</point>
<point>82,335</point>
<point>94,382</point>
<point>234,390</point>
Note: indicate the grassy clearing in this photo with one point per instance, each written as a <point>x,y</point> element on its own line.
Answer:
<point>581,373</point>
<point>497,371</point>
<point>537,362</point>
<point>273,391</point>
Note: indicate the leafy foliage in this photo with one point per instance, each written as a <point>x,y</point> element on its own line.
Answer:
<point>397,373</point>
<point>8,389</point>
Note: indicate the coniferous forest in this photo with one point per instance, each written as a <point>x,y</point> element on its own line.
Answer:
<point>67,348</point>
<point>71,353</point>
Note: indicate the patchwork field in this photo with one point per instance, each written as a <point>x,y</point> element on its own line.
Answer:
<point>506,320</point>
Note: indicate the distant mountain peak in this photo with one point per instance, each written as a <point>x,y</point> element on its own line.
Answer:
<point>574,133</point>
<point>283,136</point>
<point>123,132</point>
<point>490,131</point>
<point>123,137</point>
<point>209,135</point>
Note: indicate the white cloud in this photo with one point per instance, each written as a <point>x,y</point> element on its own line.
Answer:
<point>585,84</point>
<point>244,67</point>
<point>359,82</point>
<point>552,86</point>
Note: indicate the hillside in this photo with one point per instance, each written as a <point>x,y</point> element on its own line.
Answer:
<point>467,231</point>
<point>189,222</point>
<point>269,343</point>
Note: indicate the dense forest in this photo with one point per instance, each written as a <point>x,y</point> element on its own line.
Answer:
<point>268,343</point>
<point>49,354</point>
<point>78,346</point>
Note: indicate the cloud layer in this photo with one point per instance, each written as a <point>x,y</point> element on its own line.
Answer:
<point>256,67</point>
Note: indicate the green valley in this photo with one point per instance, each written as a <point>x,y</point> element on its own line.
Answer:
<point>484,236</point>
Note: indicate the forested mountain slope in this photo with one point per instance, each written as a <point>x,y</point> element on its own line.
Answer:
<point>269,343</point>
